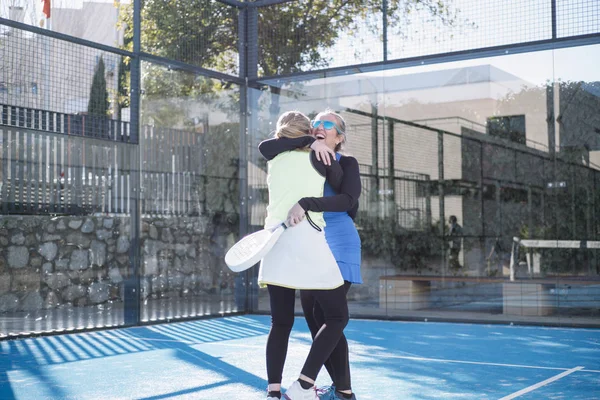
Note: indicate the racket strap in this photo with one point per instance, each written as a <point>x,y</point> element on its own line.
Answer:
<point>311,222</point>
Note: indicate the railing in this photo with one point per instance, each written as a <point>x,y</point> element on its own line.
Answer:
<point>46,173</point>
<point>407,203</point>
<point>383,173</point>
<point>545,244</point>
<point>49,168</point>
<point>97,127</point>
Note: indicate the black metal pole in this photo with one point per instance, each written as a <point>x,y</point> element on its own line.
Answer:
<point>132,293</point>
<point>442,206</point>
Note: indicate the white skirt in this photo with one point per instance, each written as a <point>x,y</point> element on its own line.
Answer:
<point>301,259</point>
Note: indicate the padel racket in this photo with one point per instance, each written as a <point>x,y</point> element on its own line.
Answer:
<point>252,248</point>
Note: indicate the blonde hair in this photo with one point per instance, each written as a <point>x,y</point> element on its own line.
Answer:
<point>292,124</point>
<point>341,124</point>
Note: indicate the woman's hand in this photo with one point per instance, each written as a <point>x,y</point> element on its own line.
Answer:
<point>295,215</point>
<point>322,152</point>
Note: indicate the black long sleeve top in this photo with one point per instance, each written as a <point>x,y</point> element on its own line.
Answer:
<point>348,190</point>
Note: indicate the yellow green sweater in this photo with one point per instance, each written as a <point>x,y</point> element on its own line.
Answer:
<point>291,176</point>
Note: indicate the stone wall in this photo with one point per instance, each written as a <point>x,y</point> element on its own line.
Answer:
<point>49,262</point>
<point>185,256</point>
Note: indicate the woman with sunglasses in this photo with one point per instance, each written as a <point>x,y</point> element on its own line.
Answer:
<point>301,259</point>
<point>340,206</point>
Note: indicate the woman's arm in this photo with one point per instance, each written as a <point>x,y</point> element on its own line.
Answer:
<point>349,191</point>
<point>271,148</point>
<point>332,172</point>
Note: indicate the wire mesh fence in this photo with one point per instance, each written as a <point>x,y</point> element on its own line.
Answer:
<point>369,32</point>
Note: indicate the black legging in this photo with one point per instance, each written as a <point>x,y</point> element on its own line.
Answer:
<point>335,317</point>
<point>337,365</point>
<point>282,320</point>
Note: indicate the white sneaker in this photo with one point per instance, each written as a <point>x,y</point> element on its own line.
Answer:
<point>295,392</point>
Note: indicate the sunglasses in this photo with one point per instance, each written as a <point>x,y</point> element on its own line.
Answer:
<point>326,125</point>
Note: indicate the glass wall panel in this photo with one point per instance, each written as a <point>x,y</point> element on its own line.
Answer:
<point>575,185</point>
<point>98,21</point>
<point>475,140</point>
<point>190,194</point>
<point>367,136</point>
<point>68,167</point>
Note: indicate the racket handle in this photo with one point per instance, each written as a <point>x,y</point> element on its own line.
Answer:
<point>283,224</point>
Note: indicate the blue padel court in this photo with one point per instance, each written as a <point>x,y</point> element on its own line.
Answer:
<point>224,359</point>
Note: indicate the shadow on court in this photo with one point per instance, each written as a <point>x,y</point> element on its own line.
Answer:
<point>112,364</point>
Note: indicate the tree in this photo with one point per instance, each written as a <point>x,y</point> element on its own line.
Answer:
<point>123,99</point>
<point>205,32</point>
<point>98,103</point>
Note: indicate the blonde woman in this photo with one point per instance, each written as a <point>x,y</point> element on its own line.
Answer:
<point>301,259</point>
<point>340,206</point>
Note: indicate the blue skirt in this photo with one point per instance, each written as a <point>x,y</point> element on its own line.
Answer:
<point>344,242</point>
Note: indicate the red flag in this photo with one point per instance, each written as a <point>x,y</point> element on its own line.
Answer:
<point>46,8</point>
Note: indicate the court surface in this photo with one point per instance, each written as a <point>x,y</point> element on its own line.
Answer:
<point>223,358</point>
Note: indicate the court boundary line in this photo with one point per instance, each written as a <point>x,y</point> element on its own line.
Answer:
<point>479,363</point>
<point>542,383</point>
<point>414,358</point>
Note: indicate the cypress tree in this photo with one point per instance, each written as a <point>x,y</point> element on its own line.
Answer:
<point>98,104</point>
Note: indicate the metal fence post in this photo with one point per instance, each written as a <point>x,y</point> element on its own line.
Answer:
<point>442,228</point>
<point>131,312</point>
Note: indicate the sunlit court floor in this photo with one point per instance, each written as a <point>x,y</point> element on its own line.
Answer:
<point>223,358</point>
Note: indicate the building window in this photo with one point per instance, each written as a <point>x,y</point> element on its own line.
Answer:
<point>3,87</point>
<point>34,88</point>
<point>508,127</point>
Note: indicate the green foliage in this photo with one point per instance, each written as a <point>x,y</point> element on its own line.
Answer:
<point>205,32</point>
<point>221,164</point>
<point>538,232</point>
<point>98,103</point>
<point>377,239</point>
<point>407,250</point>
<point>123,99</point>
<point>197,32</point>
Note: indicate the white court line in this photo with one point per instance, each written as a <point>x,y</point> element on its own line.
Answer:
<point>476,363</point>
<point>227,344</point>
<point>540,384</point>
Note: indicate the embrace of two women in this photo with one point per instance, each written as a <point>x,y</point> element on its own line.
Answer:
<point>315,189</point>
